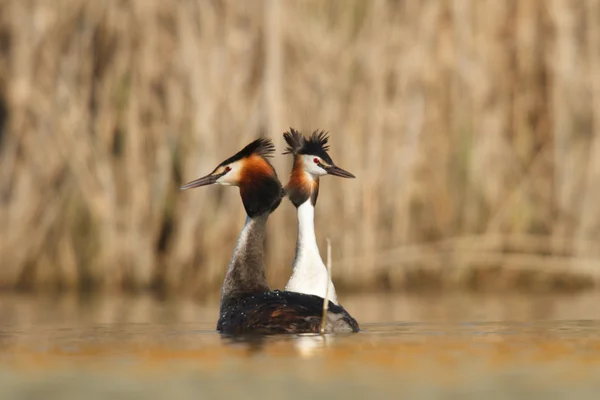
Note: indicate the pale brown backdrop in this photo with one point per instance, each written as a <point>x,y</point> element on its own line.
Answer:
<point>471,125</point>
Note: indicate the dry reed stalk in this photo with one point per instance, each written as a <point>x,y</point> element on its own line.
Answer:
<point>460,119</point>
<point>326,298</point>
<point>272,114</point>
<point>588,215</point>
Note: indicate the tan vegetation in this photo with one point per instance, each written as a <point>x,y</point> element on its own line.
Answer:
<point>472,127</point>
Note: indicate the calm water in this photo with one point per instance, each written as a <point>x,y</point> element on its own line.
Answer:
<point>452,346</point>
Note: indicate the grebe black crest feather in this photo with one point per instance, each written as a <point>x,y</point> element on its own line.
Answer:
<point>316,144</point>
<point>263,147</point>
<point>295,141</point>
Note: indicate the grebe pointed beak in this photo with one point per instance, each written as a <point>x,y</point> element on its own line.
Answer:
<point>337,171</point>
<point>204,181</point>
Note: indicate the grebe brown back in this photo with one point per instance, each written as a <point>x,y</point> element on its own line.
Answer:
<point>247,303</point>
<point>311,160</point>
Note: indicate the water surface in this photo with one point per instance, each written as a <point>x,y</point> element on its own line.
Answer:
<point>450,346</point>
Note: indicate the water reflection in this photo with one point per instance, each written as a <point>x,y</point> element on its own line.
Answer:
<point>310,345</point>
<point>137,318</point>
<point>432,346</point>
<point>28,313</point>
<point>304,345</point>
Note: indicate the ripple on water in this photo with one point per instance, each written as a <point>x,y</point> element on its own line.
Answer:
<point>166,355</point>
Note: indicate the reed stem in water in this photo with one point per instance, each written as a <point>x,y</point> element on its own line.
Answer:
<point>326,299</point>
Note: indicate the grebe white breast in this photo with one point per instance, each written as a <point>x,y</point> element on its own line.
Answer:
<point>247,303</point>
<point>311,161</point>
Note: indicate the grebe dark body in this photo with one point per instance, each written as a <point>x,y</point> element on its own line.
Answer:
<point>278,311</point>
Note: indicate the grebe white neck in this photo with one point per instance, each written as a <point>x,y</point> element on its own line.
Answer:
<point>309,273</point>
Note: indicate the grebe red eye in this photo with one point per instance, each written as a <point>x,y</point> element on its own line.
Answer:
<point>316,160</point>
<point>227,169</point>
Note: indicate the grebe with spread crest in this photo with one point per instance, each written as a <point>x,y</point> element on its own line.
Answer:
<point>248,306</point>
<point>311,161</point>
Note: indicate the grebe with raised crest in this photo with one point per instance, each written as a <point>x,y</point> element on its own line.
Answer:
<point>311,161</point>
<point>248,306</point>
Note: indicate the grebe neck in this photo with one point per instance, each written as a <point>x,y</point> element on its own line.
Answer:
<point>307,240</point>
<point>246,273</point>
<point>309,272</point>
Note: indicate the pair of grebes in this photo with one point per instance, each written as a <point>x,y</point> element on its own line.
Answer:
<point>248,305</point>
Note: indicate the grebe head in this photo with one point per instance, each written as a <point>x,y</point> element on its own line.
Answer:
<point>251,170</point>
<point>311,161</point>
<point>311,154</point>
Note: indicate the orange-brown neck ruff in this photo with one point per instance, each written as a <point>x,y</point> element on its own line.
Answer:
<point>302,186</point>
<point>259,186</point>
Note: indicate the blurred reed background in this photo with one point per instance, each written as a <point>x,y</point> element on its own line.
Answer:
<point>472,127</point>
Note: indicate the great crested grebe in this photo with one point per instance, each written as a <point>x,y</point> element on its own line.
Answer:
<point>247,303</point>
<point>309,274</point>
